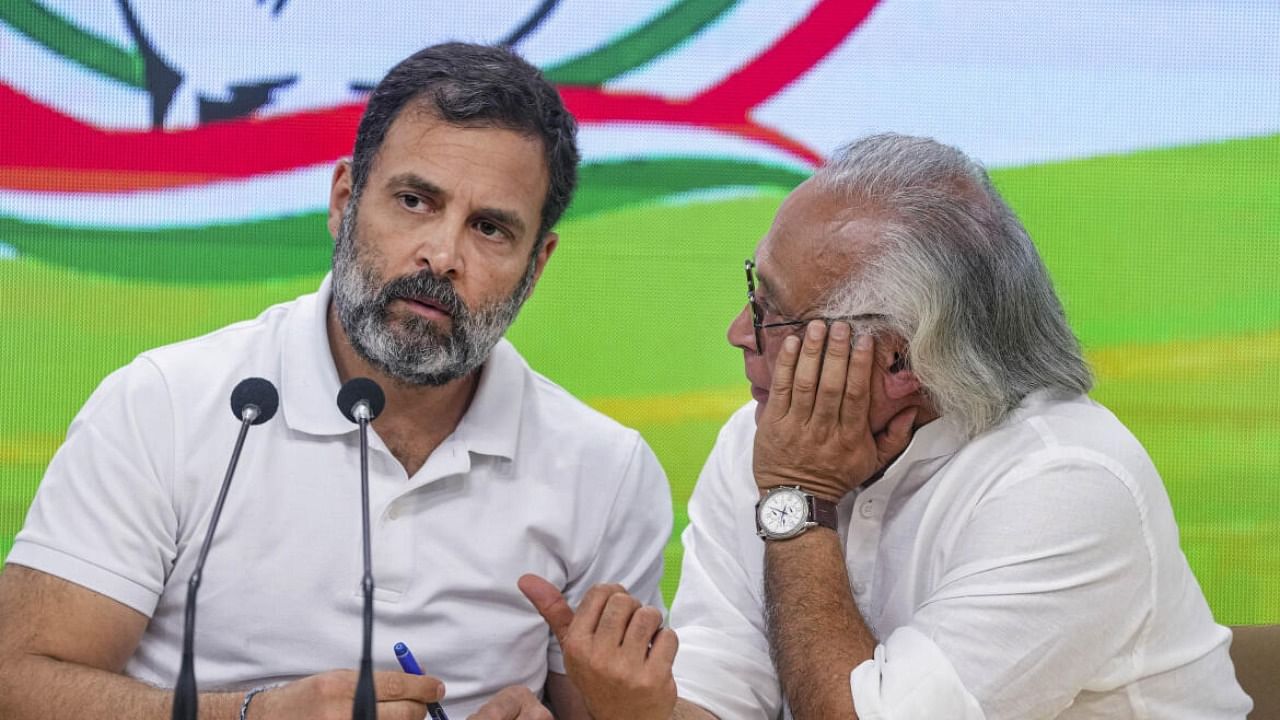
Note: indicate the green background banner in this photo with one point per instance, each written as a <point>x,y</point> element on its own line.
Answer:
<point>1159,221</point>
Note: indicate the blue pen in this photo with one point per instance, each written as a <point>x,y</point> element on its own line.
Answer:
<point>409,664</point>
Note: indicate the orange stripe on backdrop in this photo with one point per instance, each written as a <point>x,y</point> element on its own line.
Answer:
<point>100,181</point>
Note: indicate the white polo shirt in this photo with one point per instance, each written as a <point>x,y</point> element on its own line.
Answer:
<point>531,480</point>
<point>1033,572</point>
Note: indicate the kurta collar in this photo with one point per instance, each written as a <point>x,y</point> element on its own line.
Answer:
<point>938,439</point>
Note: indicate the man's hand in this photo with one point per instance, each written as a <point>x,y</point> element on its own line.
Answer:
<point>516,702</point>
<point>401,696</point>
<point>815,430</point>
<point>616,651</point>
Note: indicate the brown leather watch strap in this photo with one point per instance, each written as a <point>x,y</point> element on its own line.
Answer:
<point>823,512</point>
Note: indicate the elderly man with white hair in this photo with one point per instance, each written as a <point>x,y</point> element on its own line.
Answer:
<point>921,514</point>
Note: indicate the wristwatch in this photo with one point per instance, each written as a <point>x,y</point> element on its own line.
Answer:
<point>785,512</point>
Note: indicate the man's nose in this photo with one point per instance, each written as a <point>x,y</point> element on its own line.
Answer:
<point>439,247</point>
<point>741,333</point>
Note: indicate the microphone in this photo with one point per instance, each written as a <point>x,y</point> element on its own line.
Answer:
<point>253,402</point>
<point>254,399</point>
<point>361,400</point>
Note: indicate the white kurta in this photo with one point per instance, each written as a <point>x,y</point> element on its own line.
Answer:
<point>530,481</point>
<point>1033,572</point>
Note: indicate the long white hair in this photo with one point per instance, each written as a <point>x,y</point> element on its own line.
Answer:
<point>957,276</point>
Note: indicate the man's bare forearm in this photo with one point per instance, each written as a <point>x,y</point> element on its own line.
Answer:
<point>816,634</point>
<point>36,687</point>
<point>686,710</point>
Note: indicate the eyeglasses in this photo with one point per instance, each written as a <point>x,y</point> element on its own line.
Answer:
<point>757,313</point>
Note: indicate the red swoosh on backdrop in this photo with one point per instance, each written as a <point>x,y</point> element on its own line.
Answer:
<point>42,141</point>
<point>48,151</point>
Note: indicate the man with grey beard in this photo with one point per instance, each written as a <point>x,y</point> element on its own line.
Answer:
<point>920,514</point>
<point>480,469</point>
<point>418,352</point>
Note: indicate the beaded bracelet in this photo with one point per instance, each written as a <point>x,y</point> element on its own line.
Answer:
<point>244,706</point>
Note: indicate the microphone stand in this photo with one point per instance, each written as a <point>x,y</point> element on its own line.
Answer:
<point>361,400</point>
<point>365,702</point>
<point>185,698</point>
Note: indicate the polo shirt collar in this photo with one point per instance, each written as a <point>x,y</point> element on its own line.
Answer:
<point>491,425</point>
<point>309,385</point>
<point>308,376</point>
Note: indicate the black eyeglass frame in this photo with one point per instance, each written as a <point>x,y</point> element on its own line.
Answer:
<point>757,314</point>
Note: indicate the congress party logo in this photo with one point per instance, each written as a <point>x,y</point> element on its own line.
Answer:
<point>193,142</point>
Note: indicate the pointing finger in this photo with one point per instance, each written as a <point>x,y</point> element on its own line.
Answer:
<point>548,601</point>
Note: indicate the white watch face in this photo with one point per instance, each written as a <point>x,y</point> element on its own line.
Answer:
<point>782,512</point>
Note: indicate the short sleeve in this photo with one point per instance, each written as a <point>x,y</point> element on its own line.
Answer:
<point>636,532</point>
<point>103,516</point>
<point>723,663</point>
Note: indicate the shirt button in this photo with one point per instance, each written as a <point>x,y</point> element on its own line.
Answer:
<point>867,509</point>
<point>859,588</point>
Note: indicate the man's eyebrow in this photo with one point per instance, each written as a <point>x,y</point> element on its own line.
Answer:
<point>417,183</point>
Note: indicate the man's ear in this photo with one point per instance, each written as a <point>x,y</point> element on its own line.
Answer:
<point>549,244</point>
<point>899,380</point>
<point>339,195</point>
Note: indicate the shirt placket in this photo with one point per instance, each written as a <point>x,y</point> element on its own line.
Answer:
<point>866,512</point>
<point>392,523</point>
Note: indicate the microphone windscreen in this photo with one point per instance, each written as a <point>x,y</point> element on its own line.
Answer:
<point>357,389</point>
<point>255,391</point>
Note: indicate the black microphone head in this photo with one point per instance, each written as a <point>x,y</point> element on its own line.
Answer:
<point>357,390</point>
<point>257,392</point>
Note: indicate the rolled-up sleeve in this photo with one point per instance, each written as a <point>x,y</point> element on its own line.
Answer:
<point>909,677</point>
<point>723,664</point>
